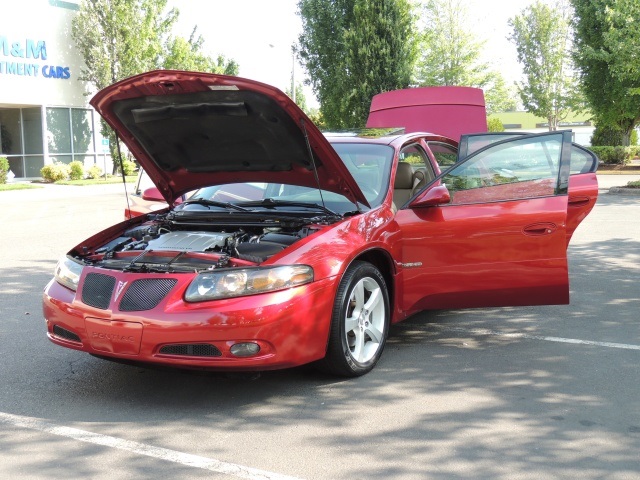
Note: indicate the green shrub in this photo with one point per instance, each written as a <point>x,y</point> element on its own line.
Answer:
<point>635,150</point>
<point>76,170</point>
<point>4,169</point>
<point>94,172</point>
<point>633,138</point>
<point>604,135</point>
<point>56,171</point>
<point>128,167</point>
<point>613,155</point>
<point>494,125</point>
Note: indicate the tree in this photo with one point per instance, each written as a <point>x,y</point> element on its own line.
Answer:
<point>300,98</point>
<point>354,49</point>
<point>494,124</point>
<point>121,38</point>
<point>622,36</point>
<point>541,35</point>
<point>607,43</point>
<point>183,54</point>
<point>450,55</point>
<point>498,96</point>
<point>380,53</point>
<point>321,50</point>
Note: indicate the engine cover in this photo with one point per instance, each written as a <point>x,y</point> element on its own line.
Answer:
<point>189,241</point>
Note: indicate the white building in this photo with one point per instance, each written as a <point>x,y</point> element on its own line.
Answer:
<point>44,112</point>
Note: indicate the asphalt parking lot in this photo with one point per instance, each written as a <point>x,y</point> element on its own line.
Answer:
<point>508,393</point>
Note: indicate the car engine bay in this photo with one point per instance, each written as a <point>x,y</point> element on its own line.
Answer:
<point>167,246</point>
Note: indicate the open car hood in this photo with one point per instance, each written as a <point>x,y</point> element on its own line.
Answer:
<point>189,130</point>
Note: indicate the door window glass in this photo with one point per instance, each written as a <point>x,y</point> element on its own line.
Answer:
<point>445,154</point>
<point>413,155</point>
<point>519,169</point>
<point>582,160</point>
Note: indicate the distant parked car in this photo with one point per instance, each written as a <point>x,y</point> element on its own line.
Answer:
<point>299,247</point>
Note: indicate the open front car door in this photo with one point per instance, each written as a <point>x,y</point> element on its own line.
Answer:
<point>499,237</point>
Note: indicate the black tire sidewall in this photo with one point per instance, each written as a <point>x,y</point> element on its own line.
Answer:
<point>356,272</point>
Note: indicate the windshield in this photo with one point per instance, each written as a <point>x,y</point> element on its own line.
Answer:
<point>369,164</point>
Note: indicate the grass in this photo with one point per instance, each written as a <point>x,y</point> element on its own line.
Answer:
<point>635,184</point>
<point>97,181</point>
<point>631,168</point>
<point>16,186</point>
<point>617,172</point>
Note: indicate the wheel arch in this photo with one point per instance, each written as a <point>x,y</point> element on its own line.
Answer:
<point>381,259</point>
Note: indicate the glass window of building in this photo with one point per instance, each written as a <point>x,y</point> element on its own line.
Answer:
<point>70,135</point>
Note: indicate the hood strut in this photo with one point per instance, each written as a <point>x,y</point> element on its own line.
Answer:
<point>124,181</point>
<point>313,161</point>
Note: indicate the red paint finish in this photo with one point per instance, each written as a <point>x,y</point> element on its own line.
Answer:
<point>112,336</point>
<point>490,245</point>
<point>448,111</point>
<point>583,193</point>
<point>289,325</point>
<point>331,173</point>
<point>479,255</point>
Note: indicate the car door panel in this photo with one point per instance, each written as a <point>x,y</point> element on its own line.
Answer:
<point>481,255</point>
<point>583,194</point>
<point>502,238</point>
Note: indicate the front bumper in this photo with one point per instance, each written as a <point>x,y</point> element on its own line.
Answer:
<point>291,326</point>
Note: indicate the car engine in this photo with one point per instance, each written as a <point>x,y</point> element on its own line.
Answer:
<point>161,246</point>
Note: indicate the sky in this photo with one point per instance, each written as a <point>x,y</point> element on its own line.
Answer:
<point>258,34</point>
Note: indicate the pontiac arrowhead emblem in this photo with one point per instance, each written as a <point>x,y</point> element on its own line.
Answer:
<point>119,289</point>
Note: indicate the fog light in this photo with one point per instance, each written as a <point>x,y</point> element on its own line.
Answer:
<point>244,349</point>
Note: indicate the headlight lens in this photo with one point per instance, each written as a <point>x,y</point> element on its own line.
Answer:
<point>246,281</point>
<point>68,273</point>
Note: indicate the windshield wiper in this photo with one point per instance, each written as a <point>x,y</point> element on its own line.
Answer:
<point>272,203</point>
<point>213,203</point>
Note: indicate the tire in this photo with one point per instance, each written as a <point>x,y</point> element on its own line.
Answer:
<point>359,322</point>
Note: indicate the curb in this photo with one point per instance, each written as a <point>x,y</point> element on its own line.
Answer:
<point>624,191</point>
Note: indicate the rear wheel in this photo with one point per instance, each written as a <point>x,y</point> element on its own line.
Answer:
<point>359,323</point>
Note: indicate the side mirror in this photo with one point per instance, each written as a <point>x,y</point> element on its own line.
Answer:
<point>153,194</point>
<point>437,195</point>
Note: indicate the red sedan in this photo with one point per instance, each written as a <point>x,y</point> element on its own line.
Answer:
<point>302,248</point>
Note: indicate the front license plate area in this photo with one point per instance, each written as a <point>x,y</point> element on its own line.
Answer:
<point>114,336</point>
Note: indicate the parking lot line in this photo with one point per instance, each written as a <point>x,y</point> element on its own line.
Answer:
<point>483,331</point>
<point>174,456</point>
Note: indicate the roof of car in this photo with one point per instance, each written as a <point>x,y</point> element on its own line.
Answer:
<point>385,136</point>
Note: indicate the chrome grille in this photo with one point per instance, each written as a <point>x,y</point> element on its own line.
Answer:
<point>97,290</point>
<point>146,294</point>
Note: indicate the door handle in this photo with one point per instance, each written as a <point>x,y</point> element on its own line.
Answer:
<point>542,228</point>
<point>578,201</point>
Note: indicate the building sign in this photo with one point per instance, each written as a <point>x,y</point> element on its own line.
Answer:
<point>19,58</point>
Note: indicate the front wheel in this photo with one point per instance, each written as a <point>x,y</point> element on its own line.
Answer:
<point>359,322</point>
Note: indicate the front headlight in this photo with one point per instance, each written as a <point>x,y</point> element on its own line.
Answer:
<point>68,273</point>
<point>246,281</point>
